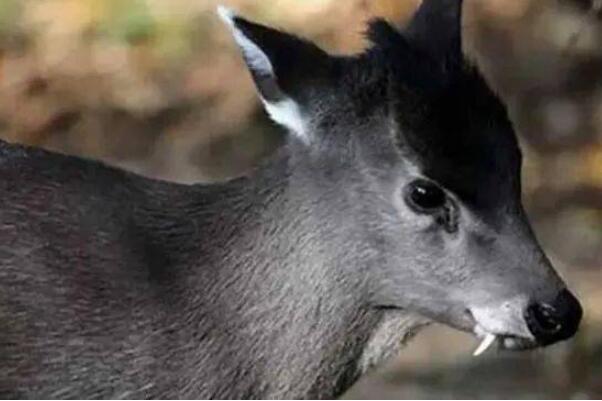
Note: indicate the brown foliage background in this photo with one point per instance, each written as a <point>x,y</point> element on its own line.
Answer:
<point>157,87</point>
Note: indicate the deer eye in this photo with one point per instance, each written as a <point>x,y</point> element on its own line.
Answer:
<point>425,197</point>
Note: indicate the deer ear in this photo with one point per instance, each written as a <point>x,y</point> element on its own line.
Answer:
<point>437,29</point>
<point>282,65</point>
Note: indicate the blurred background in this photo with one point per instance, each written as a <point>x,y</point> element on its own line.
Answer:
<point>157,87</point>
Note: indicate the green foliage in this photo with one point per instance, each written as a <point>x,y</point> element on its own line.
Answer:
<point>10,12</point>
<point>129,21</point>
<point>133,23</point>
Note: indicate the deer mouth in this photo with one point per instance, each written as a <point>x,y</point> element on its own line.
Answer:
<point>508,342</point>
<point>494,328</point>
<point>502,330</point>
<point>504,327</point>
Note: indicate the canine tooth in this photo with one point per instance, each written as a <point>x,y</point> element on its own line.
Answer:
<point>486,343</point>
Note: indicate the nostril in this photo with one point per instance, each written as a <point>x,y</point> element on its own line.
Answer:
<point>554,322</point>
<point>544,319</point>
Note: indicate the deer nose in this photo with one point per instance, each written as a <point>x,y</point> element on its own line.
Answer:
<point>556,321</point>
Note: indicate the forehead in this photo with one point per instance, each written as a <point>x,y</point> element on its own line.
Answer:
<point>449,123</point>
<point>462,138</point>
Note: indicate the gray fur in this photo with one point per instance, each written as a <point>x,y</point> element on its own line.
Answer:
<point>118,286</point>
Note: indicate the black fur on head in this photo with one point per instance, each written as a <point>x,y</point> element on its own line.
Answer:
<point>431,44</point>
<point>449,119</point>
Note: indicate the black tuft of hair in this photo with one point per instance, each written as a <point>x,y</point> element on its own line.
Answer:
<point>383,35</point>
<point>405,62</point>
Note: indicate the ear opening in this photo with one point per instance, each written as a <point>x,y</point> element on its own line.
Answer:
<point>283,66</point>
<point>256,59</point>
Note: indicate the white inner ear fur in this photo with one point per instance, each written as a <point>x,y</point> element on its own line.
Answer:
<point>285,112</point>
<point>254,56</point>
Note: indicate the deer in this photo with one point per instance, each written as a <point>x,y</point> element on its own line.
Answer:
<point>393,202</point>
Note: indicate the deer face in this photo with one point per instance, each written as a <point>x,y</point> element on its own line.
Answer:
<point>433,167</point>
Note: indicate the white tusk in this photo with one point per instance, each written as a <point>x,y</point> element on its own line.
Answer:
<point>486,343</point>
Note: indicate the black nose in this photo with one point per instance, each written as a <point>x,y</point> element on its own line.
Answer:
<point>554,322</point>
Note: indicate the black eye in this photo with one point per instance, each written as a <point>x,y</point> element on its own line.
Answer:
<point>425,197</point>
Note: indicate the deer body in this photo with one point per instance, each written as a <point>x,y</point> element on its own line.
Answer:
<point>172,291</point>
<point>394,202</point>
